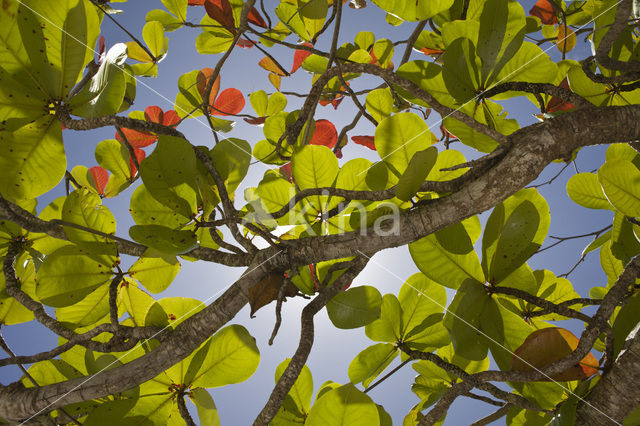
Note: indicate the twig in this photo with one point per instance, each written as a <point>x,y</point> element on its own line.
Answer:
<point>298,360</point>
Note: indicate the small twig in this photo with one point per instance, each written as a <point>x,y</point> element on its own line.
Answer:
<point>496,415</point>
<point>389,374</point>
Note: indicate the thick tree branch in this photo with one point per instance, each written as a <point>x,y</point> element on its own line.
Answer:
<point>534,147</point>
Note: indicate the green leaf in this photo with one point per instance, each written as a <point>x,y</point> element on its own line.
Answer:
<point>114,157</point>
<point>447,256</point>
<point>32,159</point>
<point>365,39</point>
<point>84,208</point>
<point>177,7</point>
<point>387,328</point>
<point>155,271</point>
<point>134,301</point>
<point>315,166</point>
<point>463,317</point>
<point>87,311</point>
<point>461,70</point>
<point>58,43</point>
<point>399,137</point>
<point>231,356</point>
<point>515,230</point>
<point>298,399</point>
<point>372,361</point>
<point>231,157</point>
<point>146,210</point>
<point>213,41</point>
<point>169,175</point>
<point>163,239</point>
<point>410,10</point>
<point>207,411</point>
<point>379,104</point>
<point>69,274</point>
<point>420,298</point>
<point>416,173</point>
<point>611,265</point>
<point>620,180</point>
<point>355,307</point>
<point>585,189</point>
<point>345,405</point>
<point>50,372</point>
<point>502,25</point>
<point>168,21</point>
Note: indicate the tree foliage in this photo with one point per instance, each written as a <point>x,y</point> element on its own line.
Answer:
<point>126,356</point>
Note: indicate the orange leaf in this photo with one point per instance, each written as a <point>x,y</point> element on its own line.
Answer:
<point>220,11</point>
<point>268,64</point>
<point>195,3</point>
<point>544,10</point>
<point>368,141</point>
<point>545,346</point>
<point>428,51</point>
<point>275,79</point>
<point>202,79</point>
<point>299,56</point>
<point>137,139</point>
<point>100,178</point>
<point>229,102</point>
<point>325,134</point>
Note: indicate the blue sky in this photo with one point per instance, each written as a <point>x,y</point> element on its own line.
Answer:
<point>333,348</point>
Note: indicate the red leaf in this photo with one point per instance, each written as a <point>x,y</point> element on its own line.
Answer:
<point>153,114</point>
<point>195,3</point>
<point>285,172</point>
<point>268,64</point>
<point>140,154</point>
<point>229,102</point>
<point>367,141</point>
<point>220,10</point>
<point>544,10</point>
<point>299,56</point>
<point>202,79</point>
<point>100,177</point>
<point>255,18</point>
<point>557,104</point>
<point>137,139</point>
<point>256,121</point>
<point>171,118</point>
<point>325,134</point>
<point>339,153</point>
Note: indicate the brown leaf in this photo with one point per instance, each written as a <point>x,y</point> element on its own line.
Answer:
<point>266,291</point>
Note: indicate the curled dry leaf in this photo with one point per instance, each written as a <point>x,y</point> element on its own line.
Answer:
<point>266,291</point>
